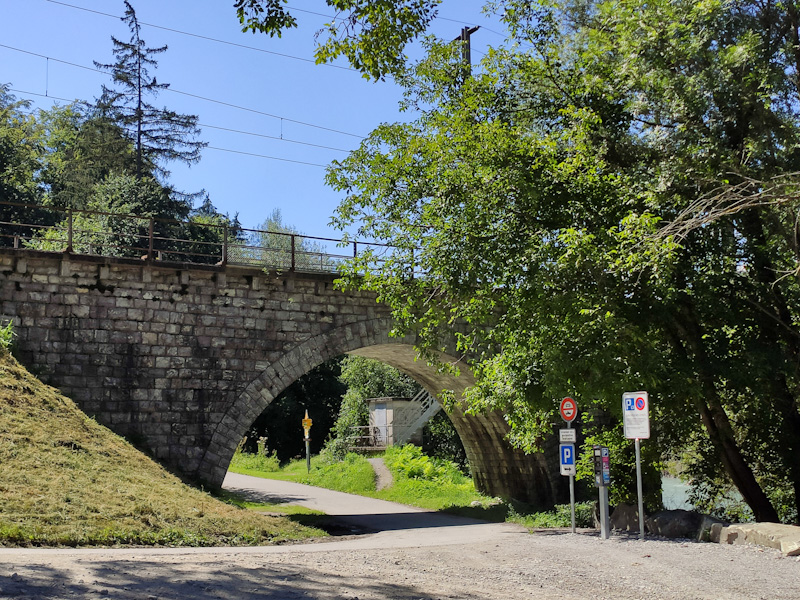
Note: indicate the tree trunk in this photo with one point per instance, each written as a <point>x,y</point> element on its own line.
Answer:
<point>777,329</point>
<point>688,340</point>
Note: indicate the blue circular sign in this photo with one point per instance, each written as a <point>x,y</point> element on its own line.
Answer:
<point>640,403</point>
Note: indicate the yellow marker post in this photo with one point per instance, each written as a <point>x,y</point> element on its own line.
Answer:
<point>307,428</point>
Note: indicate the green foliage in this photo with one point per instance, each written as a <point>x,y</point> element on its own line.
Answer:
<point>616,197</point>
<point>410,463</point>
<point>623,465</point>
<point>353,474</point>
<point>370,34</point>
<point>373,379</point>
<point>320,392</point>
<point>7,336</point>
<point>560,516</point>
<point>21,148</point>
<point>261,461</point>
<point>441,440</point>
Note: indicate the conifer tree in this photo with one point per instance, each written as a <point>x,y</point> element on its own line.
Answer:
<point>159,135</point>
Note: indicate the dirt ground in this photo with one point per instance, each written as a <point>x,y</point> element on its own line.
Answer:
<point>514,564</point>
<point>413,555</point>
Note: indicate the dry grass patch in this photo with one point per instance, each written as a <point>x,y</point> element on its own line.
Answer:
<point>66,480</point>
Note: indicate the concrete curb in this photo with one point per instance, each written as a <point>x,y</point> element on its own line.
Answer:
<point>785,538</point>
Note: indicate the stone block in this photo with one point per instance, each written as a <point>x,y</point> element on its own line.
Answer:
<point>785,538</point>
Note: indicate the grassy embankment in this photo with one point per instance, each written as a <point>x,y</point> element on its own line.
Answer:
<point>418,481</point>
<point>67,481</point>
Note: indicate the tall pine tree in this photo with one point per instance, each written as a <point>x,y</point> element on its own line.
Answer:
<point>159,135</point>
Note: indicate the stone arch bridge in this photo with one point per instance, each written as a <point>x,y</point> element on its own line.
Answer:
<point>181,359</point>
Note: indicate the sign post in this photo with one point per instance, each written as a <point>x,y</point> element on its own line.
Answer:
<point>636,421</point>
<point>566,450</point>
<point>307,429</point>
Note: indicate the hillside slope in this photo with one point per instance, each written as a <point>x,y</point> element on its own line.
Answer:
<point>66,480</point>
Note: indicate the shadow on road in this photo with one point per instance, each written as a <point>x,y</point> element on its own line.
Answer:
<point>140,579</point>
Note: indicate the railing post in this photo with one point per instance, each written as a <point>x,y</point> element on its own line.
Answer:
<point>16,242</point>
<point>225,246</point>
<point>69,230</point>
<point>293,259</point>
<point>150,239</point>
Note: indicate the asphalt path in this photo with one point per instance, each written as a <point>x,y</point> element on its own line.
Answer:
<point>390,524</point>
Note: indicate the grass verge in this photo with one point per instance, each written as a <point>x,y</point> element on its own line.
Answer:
<point>65,480</point>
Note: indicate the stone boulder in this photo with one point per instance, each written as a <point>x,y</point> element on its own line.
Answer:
<point>675,524</point>
<point>625,517</point>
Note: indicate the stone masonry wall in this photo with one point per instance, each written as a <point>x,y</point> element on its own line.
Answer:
<point>182,359</point>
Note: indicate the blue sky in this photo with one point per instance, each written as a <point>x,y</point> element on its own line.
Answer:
<point>307,100</point>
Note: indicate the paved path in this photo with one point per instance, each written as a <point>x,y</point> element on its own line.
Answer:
<point>394,525</point>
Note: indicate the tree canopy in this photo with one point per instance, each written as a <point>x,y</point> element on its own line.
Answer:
<point>610,204</point>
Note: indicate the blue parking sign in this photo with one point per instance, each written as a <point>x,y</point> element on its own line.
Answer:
<point>567,458</point>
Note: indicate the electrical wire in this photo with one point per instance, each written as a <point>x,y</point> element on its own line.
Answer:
<point>299,162</point>
<point>261,135</point>
<point>228,104</point>
<point>207,38</point>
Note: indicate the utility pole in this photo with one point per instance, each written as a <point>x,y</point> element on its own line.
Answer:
<point>466,53</point>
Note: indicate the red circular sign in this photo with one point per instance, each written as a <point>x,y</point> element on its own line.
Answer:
<point>640,403</point>
<point>568,409</point>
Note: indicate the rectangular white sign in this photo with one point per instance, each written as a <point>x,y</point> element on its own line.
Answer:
<point>567,436</point>
<point>636,415</point>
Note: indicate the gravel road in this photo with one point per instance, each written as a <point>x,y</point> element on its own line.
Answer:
<point>440,559</point>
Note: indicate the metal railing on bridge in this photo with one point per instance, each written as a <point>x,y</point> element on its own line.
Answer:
<point>193,241</point>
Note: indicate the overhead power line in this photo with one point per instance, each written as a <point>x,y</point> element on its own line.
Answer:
<point>205,37</point>
<point>299,162</point>
<point>228,104</point>
<point>271,137</point>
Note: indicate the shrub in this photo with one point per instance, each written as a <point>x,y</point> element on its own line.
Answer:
<point>7,335</point>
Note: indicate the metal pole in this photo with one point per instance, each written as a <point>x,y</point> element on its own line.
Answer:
<point>308,454</point>
<point>69,231</point>
<point>150,239</point>
<point>572,500</point>
<point>225,246</point>
<point>639,489</point>
<point>571,491</point>
<point>604,511</point>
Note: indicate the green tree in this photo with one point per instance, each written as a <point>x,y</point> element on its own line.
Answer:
<point>21,149</point>
<point>617,203</point>
<point>159,135</point>
<point>276,245</point>
<point>81,149</point>
<point>370,34</point>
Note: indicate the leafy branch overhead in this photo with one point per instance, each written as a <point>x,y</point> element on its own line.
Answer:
<point>370,34</point>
